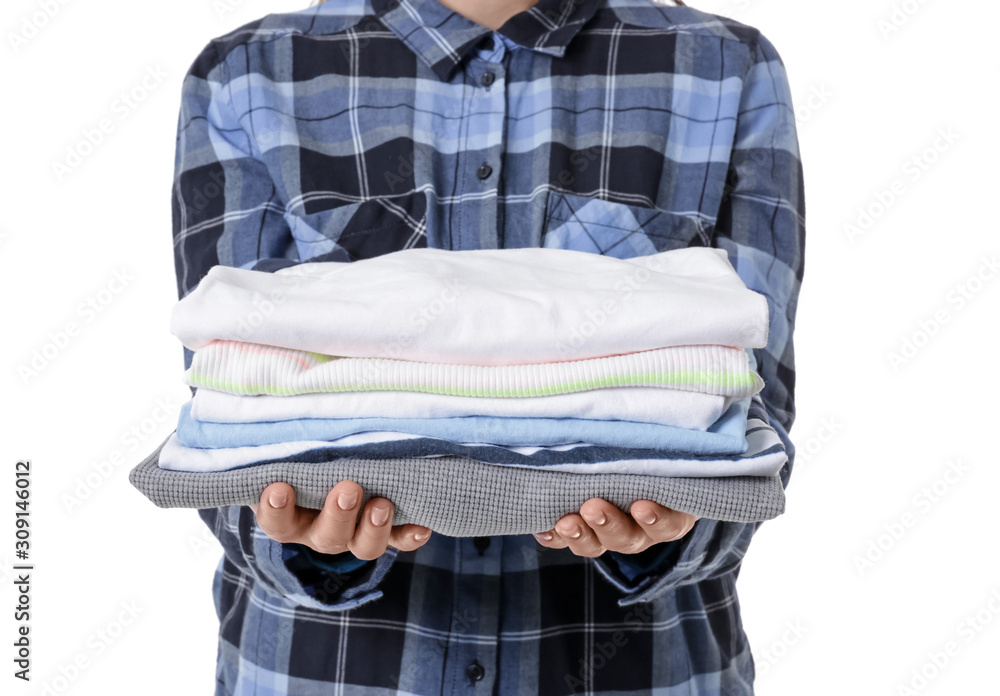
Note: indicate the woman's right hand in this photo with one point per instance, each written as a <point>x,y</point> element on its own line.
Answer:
<point>336,528</point>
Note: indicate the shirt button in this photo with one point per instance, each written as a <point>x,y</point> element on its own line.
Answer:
<point>487,43</point>
<point>475,671</point>
<point>487,78</point>
<point>484,171</point>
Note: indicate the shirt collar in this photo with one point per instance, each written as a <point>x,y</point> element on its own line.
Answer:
<point>442,37</point>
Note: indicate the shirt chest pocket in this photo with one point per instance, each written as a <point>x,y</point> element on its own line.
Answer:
<point>364,229</point>
<point>621,230</point>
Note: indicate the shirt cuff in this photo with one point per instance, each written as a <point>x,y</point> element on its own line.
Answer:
<point>301,580</point>
<point>334,562</point>
<point>632,567</point>
<point>710,549</point>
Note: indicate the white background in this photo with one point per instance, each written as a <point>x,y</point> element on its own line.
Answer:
<point>875,437</point>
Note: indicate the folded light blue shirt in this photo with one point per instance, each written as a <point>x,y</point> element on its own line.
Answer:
<point>726,436</point>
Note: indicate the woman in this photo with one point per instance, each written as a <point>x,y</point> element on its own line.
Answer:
<point>348,130</point>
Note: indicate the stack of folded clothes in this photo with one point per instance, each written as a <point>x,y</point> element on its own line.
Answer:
<point>483,392</point>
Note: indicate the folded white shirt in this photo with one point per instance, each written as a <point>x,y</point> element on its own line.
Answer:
<point>682,409</point>
<point>480,307</point>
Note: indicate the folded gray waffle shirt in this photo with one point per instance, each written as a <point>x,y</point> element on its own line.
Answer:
<point>460,497</point>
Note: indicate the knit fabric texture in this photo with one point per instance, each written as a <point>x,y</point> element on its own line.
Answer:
<point>245,368</point>
<point>461,497</point>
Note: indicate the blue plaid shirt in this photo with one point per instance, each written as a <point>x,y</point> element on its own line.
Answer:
<point>360,127</point>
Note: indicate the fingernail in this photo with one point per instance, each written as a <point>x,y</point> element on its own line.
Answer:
<point>379,516</point>
<point>277,499</point>
<point>543,536</point>
<point>346,501</point>
<point>645,516</point>
<point>420,536</point>
<point>597,518</point>
<point>571,532</point>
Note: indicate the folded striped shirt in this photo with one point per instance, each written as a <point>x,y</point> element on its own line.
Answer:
<point>238,367</point>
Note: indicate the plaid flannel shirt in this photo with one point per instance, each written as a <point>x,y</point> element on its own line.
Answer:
<point>360,127</point>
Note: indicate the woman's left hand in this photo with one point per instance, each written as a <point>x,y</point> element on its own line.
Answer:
<point>601,526</point>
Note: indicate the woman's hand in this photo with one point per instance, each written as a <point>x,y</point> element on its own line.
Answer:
<point>336,528</point>
<point>601,527</point>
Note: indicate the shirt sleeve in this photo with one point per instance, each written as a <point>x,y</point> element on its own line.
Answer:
<point>288,570</point>
<point>226,206</point>
<point>227,209</point>
<point>761,225</point>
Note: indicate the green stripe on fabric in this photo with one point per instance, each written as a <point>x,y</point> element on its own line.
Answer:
<point>671,378</point>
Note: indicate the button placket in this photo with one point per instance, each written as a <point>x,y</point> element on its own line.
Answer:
<point>485,112</point>
<point>473,651</point>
